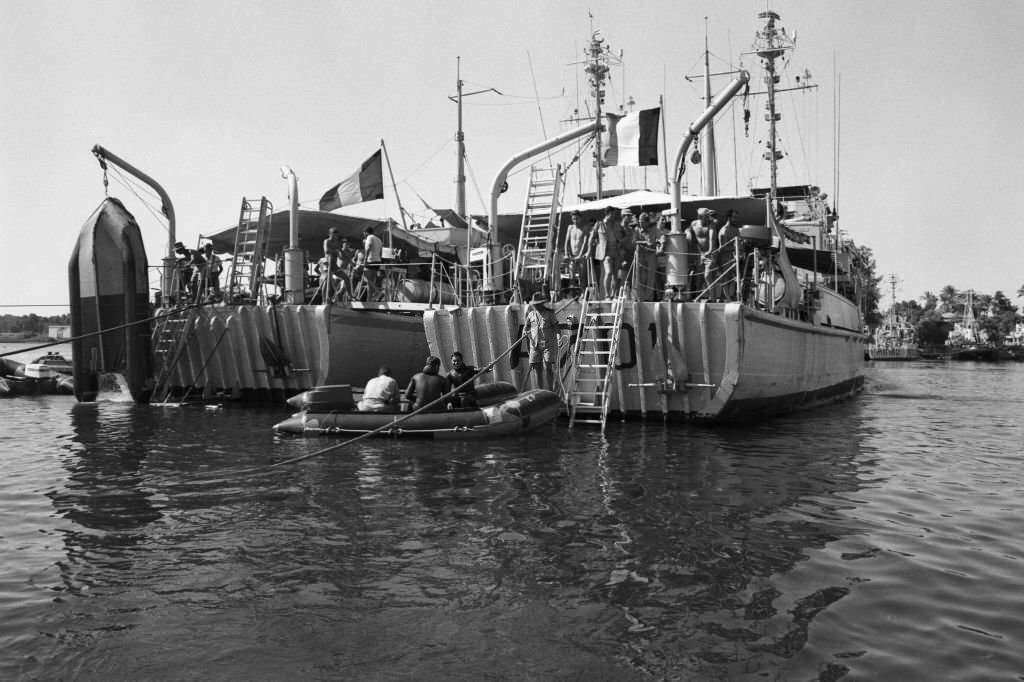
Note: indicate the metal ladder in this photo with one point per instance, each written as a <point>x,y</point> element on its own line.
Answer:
<point>540,219</point>
<point>594,357</point>
<point>251,238</point>
<point>170,338</point>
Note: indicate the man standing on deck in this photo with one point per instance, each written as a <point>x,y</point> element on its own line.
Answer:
<point>700,236</point>
<point>541,328</point>
<point>608,250</point>
<point>346,257</point>
<point>646,259</point>
<point>332,252</point>
<point>212,270</point>
<point>577,251</point>
<point>726,257</point>
<point>372,251</point>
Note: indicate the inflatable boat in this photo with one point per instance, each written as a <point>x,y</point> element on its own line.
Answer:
<point>500,411</point>
<point>17,379</point>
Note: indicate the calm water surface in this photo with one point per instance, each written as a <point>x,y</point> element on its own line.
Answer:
<point>877,539</point>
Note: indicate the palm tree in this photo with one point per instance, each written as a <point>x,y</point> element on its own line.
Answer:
<point>948,297</point>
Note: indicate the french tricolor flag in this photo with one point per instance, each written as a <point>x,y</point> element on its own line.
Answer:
<point>366,184</point>
<point>632,140</point>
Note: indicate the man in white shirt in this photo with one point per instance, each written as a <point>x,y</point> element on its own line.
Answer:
<point>372,250</point>
<point>381,393</point>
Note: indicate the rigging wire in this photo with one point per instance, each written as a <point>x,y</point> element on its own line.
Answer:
<point>132,186</point>
<point>476,186</point>
<point>540,113</point>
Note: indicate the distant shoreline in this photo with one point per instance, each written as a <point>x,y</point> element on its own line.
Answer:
<point>32,339</point>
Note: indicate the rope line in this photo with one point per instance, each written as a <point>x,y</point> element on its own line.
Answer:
<point>175,311</point>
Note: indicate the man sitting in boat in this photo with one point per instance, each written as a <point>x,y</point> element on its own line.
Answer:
<point>459,374</point>
<point>427,386</point>
<point>381,393</point>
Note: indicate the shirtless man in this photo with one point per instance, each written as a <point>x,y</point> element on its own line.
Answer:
<point>701,235</point>
<point>577,250</point>
<point>427,386</point>
<point>726,257</point>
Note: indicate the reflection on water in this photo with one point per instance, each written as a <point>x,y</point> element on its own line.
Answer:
<point>104,487</point>
<point>162,547</point>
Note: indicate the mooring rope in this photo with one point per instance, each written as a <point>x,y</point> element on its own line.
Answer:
<point>119,327</point>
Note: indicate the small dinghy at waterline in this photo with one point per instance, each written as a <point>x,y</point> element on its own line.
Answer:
<point>501,411</point>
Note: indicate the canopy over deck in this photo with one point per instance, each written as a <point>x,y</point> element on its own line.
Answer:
<point>314,226</point>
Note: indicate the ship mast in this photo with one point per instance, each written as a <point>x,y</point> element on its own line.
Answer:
<point>460,140</point>
<point>771,43</point>
<point>460,145</point>
<point>892,309</point>
<point>598,57</point>
<point>710,165</point>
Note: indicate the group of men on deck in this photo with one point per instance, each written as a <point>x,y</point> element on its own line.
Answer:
<point>198,272</point>
<point>602,253</point>
<point>347,273</point>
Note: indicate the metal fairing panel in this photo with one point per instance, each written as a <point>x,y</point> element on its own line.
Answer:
<point>321,345</point>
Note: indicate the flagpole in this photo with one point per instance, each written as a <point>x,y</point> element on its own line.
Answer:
<point>664,140</point>
<point>394,188</point>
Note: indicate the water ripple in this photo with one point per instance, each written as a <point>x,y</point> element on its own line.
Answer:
<point>870,540</point>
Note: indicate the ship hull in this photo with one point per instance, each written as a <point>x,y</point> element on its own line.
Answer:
<point>974,354</point>
<point>893,354</point>
<point>701,361</point>
<point>266,353</point>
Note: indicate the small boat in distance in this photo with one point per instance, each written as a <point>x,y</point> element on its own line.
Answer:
<point>894,339</point>
<point>1013,344</point>
<point>55,361</point>
<point>967,342</point>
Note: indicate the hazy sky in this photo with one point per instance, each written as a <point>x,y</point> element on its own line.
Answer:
<point>212,98</point>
